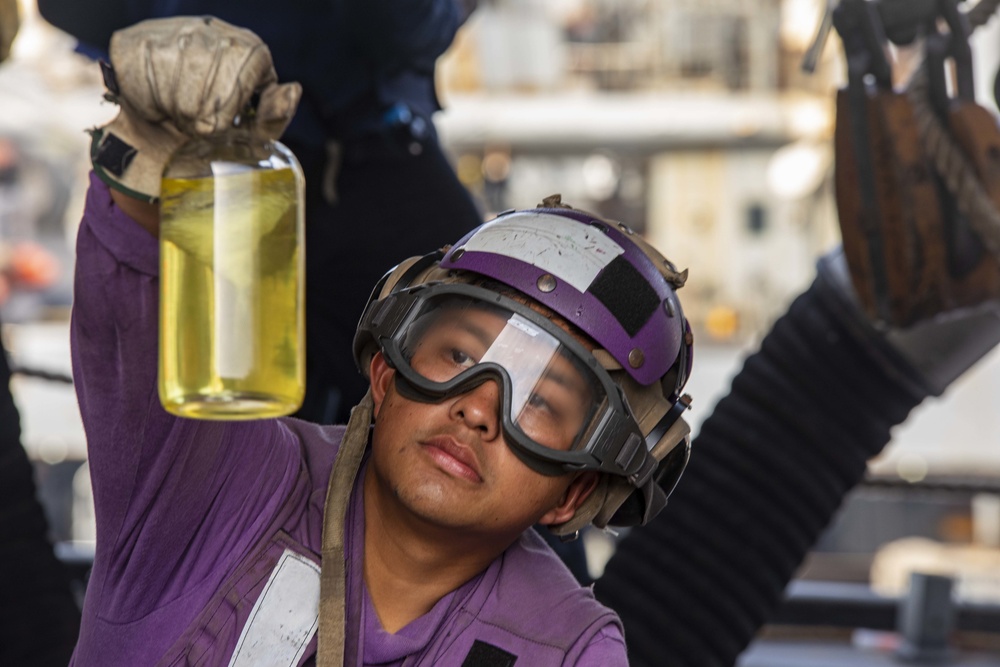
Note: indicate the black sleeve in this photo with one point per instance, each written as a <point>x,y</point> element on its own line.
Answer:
<point>768,471</point>
<point>39,619</point>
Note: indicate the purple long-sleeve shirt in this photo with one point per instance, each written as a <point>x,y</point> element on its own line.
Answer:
<point>209,533</point>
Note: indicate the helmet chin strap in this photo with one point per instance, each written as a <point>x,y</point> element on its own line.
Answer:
<point>332,631</point>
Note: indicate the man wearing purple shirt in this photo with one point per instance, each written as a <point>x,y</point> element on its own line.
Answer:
<point>531,373</point>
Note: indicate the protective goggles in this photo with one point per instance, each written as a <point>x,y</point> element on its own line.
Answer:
<point>559,409</point>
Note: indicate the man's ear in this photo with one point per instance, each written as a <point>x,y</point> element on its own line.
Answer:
<point>380,375</point>
<point>578,491</point>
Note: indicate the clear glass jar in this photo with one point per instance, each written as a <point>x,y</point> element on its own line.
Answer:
<point>232,320</point>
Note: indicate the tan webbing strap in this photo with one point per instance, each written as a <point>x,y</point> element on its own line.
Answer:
<point>332,586</point>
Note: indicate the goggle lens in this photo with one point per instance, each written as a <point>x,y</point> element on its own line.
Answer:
<point>554,397</point>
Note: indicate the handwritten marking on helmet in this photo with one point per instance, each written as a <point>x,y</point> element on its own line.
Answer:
<point>556,245</point>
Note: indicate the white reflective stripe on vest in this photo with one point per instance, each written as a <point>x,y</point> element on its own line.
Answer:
<point>284,618</point>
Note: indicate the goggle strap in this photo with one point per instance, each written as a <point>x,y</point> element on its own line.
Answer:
<point>384,316</point>
<point>416,269</point>
<point>668,420</point>
<point>649,463</point>
<point>630,451</point>
<point>645,472</point>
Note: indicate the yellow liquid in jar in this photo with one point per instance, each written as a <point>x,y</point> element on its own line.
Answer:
<point>231,299</point>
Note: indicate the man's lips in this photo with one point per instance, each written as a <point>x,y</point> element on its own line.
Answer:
<point>453,457</point>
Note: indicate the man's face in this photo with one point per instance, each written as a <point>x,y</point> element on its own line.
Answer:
<point>448,462</point>
<point>550,398</point>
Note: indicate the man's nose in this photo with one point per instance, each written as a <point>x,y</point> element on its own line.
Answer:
<point>479,409</point>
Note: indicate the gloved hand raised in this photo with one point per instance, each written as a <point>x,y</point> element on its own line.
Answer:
<point>921,229</point>
<point>918,197</point>
<point>177,78</point>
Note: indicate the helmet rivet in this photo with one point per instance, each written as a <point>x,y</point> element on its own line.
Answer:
<point>668,305</point>
<point>636,358</point>
<point>546,283</point>
<point>625,228</point>
<point>457,254</point>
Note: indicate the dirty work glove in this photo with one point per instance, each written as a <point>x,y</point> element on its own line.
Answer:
<point>917,181</point>
<point>912,255</point>
<point>937,302</point>
<point>918,197</point>
<point>177,78</point>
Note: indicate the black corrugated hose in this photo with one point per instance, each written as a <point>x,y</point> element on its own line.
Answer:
<point>768,471</point>
<point>39,619</point>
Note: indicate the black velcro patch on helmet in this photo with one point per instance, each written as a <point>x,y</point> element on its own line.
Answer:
<point>114,155</point>
<point>488,655</point>
<point>625,293</point>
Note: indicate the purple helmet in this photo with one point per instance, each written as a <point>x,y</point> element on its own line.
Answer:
<point>606,283</point>
<point>592,272</point>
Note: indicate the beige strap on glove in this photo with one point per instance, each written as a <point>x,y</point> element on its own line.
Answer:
<point>177,78</point>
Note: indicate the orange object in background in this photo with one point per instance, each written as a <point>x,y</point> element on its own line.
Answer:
<point>32,266</point>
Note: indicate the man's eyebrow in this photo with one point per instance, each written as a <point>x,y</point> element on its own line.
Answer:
<point>575,382</point>
<point>478,332</point>
<point>463,324</point>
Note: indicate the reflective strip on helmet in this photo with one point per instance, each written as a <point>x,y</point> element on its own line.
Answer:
<point>570,251</point>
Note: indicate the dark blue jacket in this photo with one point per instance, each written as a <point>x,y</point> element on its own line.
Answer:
<point>354,58</point>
